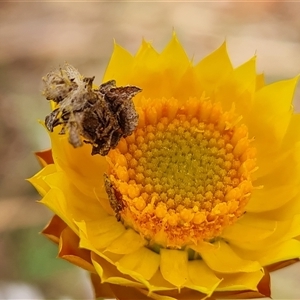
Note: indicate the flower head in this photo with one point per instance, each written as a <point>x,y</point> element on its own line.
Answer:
<point>202,199</point>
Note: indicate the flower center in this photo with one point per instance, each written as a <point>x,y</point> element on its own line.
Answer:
<point>184,174</point>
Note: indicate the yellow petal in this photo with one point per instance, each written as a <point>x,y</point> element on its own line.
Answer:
<point>119,66</point>
<point>146,57</point>
<point>272,197</point>
<point>143,262</point>
<point>285,212</point>
<point>87,177</point>
<point>213,69</point>
<point>146,62</point>
<point>272,110</point>
<point>38,180</point>
<point>101,233</point>
<point>238,88</point>
<point>293,134</point>
<point>55,201</point>
<point>221,258</point>
<point>241,281</point>
<point>109,273</point>
<point>260,81</point>
<point>280,252</point>
<point>275,98</point>
<point>284,230</point>
<point>188,86</point>
<point>274,162</point>
<point>71,208</point>
<point>280,184</point>
<point>257,229</point>
<point>174,58</point>
<point>159,283</point>
<point>129,237</point>
<point>173,266</point>
<point>201,278</point>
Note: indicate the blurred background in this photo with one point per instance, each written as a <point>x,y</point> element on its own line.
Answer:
<point>37,37</point>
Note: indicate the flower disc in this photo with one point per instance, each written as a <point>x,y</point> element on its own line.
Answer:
<point>183,177</point>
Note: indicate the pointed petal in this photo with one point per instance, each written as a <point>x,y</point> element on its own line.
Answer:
<point>213,69</point>
<point>238,88</point>
<point>87,177</point>
<point>293,133</point>
<point>54,200</point>
<point>174,58</point>
<point>286,250</point>
<point>221,258</point>
<point>280,184</point>
<point>146,57</point>
<point>159,283</point>
<point>276,97</point>
<point>119,66</point>
<point>257,229</point>
<point>188,86</point>
<point>260,81</point>
<point>101,233</point>
<point>173,266</point>
<point>70,208</point>
<point>129,237</point>
<point>272,110</point>
<point>109,273</point>
<point>284,231</point>
<point>201,277</point>
<point>240,281</point>
<point>285,212</point>
<point>263,288</point>
<point>143,262</point>
<point>38,180</point>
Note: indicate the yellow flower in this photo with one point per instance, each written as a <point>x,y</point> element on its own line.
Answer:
<point>206,188</point>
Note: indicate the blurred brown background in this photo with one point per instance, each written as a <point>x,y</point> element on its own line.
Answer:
<point>37,37</point>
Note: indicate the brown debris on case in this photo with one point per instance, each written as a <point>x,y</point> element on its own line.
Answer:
<point>102,116</point>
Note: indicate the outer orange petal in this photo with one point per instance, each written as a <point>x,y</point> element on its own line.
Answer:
<point>44,157</point>
<point>128,293</point>
<point>70,251</point>
<point>101,290</point>
<point>54,229</point>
